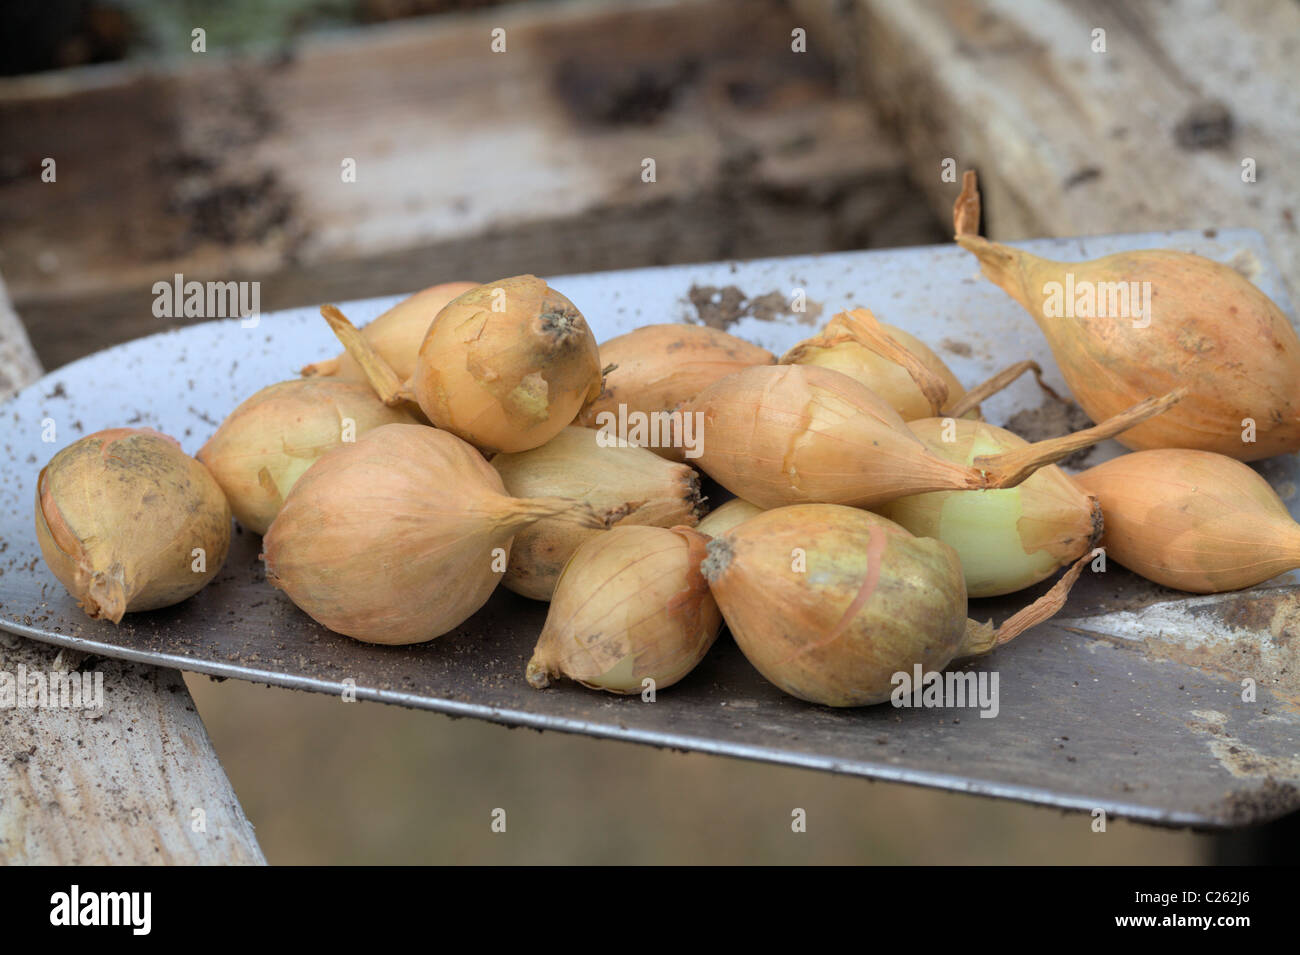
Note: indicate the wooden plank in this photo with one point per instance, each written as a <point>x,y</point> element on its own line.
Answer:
<point>134,781</point>
<point>1149,135</point>
<point>469,163</point>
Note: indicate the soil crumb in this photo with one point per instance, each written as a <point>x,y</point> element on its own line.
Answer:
<point>1052,419</point>
<point>721,308</point>
<point>955,347</point>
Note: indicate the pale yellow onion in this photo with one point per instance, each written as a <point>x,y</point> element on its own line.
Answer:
<point>630,607</point>
<point>396,334</point>
<point>399,537</point>
<point>270,440</point>
<point>1006,539</point>
<point>624,484</point>
<point>127,521</point>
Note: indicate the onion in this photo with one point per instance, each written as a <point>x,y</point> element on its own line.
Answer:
<point>830,602</point>
<point>724,518</point>
<point>658,368</point>
<point>127,521</point>
<point>623,483</point>
<point>266,444</point>
<point>396,334</point>
<point>1006,539</point>
<point>1193,520</point>
<point>631,606</point>
<point>401,536</point>
<point>792,434</point>
<point>1207,326</point>
<point>505,366</point>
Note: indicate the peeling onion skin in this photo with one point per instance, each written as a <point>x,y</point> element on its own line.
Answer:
<point>625,484</point>
<point>1007,539</point>
<point>631,605</point>
<point>396,334</point>
<point>1210,329</point>
<point>391,539</point>
<point>1193,520</point>
<point>872,600</point>
<point>661,367</point>
<point>118,516</point>
<point>270,440</point>
<point>507,365</point>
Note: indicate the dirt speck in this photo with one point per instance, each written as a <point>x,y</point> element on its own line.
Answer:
<point>955,347</point>
<point>721,308</point>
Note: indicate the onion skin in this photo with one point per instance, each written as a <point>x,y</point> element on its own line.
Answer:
<point>270,440</point>
<point>873,601</point>
<point>1210,329</point>
<point>661,367</point>
<point>118,515</point>
<point>396,334</point>
<point>630,606</point>
<point>1006,539</point>
<point>723,518</point>
<point>886,378</point>
<point>624,484</point>
<point>1193,520</point>
<point>507,380</point>
<point>390,539</point>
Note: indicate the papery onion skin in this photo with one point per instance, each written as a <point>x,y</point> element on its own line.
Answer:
<point>1007,539</point>
<point>630,606</point>
<point>1210,329</point>
<point>1193,520</point>
<point>886,378</point>
<point>871,600</point>
<point>623,483</point>
<point>396,334</point>
<point>119,515</point>
<point>660,367</point>
<point>726,516</point>
<point>506,365</point>
<point>399,537</point>
<point>791,434</point>
<point>270,440</point>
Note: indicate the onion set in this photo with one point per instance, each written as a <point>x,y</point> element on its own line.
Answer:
<point>127,521</point>
<point>631,606</point>
<point>1193,520</point>
<point>622,483</point>
<point>401,536</point>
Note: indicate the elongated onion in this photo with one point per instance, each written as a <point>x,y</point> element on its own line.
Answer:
<point>724,518</point>
<point>1139,323</point>
<point>401,536</point>
<point>270,440</point>
<point>630,607</point>
<point>1006,539</point>
<point>624,484</point>
<point>1193,520</point>
<point>127,521</point>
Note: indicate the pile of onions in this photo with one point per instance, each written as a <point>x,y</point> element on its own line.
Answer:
<point>1206,327</point>
<point>505,366</point>
<point>631,612</point>
<point>1193,520</point>
<point>269,441</point>
<point>401,536</point>
<point>624,484</point>
<point>830,602</point>
<point>127,521</point>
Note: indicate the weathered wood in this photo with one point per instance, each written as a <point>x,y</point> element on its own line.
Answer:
<point>1149,135</point>
<point>469,163</point>
<point>116,784</point>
